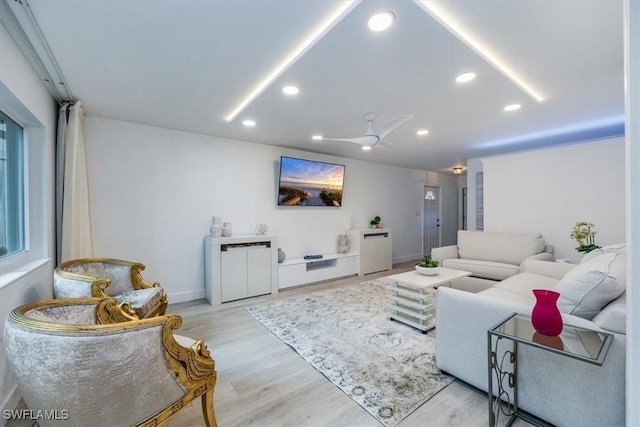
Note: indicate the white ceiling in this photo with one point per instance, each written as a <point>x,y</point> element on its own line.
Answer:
<point>187,64</point>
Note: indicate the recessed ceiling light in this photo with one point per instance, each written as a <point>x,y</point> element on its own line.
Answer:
<point>381,21</point>
<point>248,123</point>
<point>512,107</point>
<point>422,132</point>
<point>466,77</point>
<point>290,90</point>
<point>317,137</point>
<point>366,148</point>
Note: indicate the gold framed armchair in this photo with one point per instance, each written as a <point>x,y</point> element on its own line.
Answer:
<point>74,358</point>
<point>110,277</point>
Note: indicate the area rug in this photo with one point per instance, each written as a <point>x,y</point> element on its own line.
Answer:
<point>345,333</point>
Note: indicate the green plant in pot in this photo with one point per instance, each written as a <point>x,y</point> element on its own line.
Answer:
<point>429,263</point>
<point>428,267</point>
<point>375,222</point>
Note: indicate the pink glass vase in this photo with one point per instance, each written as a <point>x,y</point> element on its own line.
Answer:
<point>545,316</point>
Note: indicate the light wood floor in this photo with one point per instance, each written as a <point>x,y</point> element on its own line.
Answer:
<point>263,382</point>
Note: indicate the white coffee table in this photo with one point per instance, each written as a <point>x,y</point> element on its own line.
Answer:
<point>413,296</point>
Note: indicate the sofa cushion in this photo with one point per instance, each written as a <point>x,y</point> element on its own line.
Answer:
<point>486,269</point>
<point>509,248</point>
<point>593,284</point>
<point>506,296</point>
<point>524,283</point>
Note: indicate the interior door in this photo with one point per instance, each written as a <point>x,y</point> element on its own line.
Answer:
<point>431,219</point>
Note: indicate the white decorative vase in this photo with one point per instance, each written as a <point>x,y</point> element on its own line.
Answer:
<point>226,229</point>
<point>343,243</point>
<point>215,231</point>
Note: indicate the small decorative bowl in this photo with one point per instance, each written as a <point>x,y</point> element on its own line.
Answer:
<point>428,271</point>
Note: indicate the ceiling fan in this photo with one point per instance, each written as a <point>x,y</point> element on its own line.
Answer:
<point>371,138</point>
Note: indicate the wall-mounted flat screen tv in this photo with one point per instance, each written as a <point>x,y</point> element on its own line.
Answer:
<point>310,183</point>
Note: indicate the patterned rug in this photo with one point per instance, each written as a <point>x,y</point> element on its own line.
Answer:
<point>345,333</point>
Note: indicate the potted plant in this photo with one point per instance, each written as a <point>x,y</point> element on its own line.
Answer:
<point>428,266</point>
<point>584,234</point>
<point>375,222</point>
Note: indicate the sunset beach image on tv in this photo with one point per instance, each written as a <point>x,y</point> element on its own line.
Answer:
<point>310,183</point>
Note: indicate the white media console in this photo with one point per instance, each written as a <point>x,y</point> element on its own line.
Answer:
<point>246,266</point>
<point>370,252</point>
<point>300,271</point>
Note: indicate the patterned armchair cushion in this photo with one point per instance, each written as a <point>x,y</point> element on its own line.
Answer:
<point>143,301</point>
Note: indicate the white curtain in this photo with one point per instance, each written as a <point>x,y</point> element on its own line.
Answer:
<point>62,131</point>
<point>76,232</point>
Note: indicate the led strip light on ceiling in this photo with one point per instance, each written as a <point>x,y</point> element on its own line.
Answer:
<point>435,9</point>
<point>341,11</point>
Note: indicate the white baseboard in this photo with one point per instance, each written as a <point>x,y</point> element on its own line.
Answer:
<point>177,297</point>
<point>407,258</point>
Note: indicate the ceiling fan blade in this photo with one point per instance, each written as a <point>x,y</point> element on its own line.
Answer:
<point>388,127</point>
<point>369,140</point>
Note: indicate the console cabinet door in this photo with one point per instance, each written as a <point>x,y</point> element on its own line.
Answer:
<point>375,253</point>
<point>234,274</point>
<point>258,269</point>
<point>347,266</point>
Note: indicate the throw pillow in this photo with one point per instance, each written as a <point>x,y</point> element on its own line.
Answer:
<point>614,316</point>
<point>593,284</point>
<point>617,248</point>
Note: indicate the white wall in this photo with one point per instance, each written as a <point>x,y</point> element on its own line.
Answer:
<point>27,276</point>
<point>550,190</point>
<point>632,128</point>
<point>154,190</point>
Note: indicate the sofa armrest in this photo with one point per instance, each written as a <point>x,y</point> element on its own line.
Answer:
<point>462,321</point>
<point>555,270</point>
<point>444,252</point>
<point>542,256</point>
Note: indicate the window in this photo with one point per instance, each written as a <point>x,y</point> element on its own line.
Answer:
<point>12,213</point>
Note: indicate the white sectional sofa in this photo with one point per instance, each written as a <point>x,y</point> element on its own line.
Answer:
<point>490,256</point>
<point>554,387</point>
